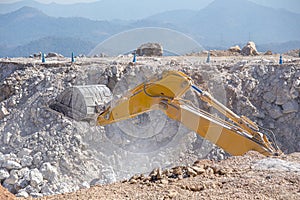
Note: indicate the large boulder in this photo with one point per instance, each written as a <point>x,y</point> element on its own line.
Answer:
<point>235,48</point>
<point>268,53</point>
<point>249,49</point>
<point>150,49</point>
<point>36,177</point>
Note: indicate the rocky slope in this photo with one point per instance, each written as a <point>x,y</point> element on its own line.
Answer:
<point>44,153</point>
<point>252,176</point>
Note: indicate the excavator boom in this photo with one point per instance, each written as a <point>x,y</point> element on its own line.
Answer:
<point>164,92</point>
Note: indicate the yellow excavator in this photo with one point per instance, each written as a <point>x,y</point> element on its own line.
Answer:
<point>236,135</point>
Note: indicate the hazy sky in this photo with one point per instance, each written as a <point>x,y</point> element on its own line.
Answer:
<point>292,5</point>
<point>49,1</point>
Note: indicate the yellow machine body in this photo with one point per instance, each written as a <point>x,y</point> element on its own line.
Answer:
<point>236,136</point>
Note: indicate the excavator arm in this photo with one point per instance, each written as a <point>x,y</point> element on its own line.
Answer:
<point>236,136</point>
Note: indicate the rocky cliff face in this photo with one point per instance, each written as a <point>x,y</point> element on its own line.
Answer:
<point>43,152</point>
<point>269,93</point>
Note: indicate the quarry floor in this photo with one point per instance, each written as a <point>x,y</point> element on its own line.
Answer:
<point>251,176</point>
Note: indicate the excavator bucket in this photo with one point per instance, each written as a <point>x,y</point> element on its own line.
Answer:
<point>82,103</point>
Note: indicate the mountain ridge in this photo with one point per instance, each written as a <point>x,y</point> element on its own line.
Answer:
<point>217,25</point>
<point>107,9</point>
<point>235,21</point>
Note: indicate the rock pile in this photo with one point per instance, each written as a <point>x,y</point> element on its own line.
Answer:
<point>42,140</point>
<point>199,168</point>
<point>268,53</point>
<point>3,112</point>
<point>46,153</point>
<point>249,49</point>
<point>271,93</point>
<point>49,55</point>
<point>294,53</point>
<point>235,48</point>
<point>150,49</point>
<point>43,152</point>
<point>276,164</point>
<point>20,178</point>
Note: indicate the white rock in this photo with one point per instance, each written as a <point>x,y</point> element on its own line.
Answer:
<point>114,69</point>
<point>6,137</point>
<point>24,152</point>
<point>290,107</point>
<point>13,178</point>
<point>294,93</point>
<point>3,112</point>
<point>12,157</point>
<point>49,172</point>
<point>26,161</point>
<point>36,195</point>
<point>2,159</point>
<point>29,189</point>
<point>276,164</point>
<point>84,184</point>
<point>9,164</point>
<point>22,193</point>
<point>46,190</point>
<point>275,112</point>
<point>21,184</point>
<point>269,97</point>
<point>65,187</point>
<point>9,187</point>
<point>235,48</point>
<point>282,96</point>
<point>249,49</point>
<point>37,158</point>
<point>261,70</point>
<point>296,84</point>
<point>3,174</point>
<point>36,177</point>
<point>97,181</point>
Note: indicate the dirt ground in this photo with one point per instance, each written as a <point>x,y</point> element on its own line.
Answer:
<point>5,194</point>
<point>233,178</point>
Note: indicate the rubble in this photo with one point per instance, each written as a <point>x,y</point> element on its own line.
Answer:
<point>49,172</point>
<point>3,174</point>
<point>53,54</point>
<point>3,112</point>
<point>43,152</point>
<point>275,164</point>
<point>268,53</point>
<point>290,107</point>
<point>235,48</point>
<point>199,168</point>
<point>150,49</point>
<point>249,49</point>
<point>10,164</point>
<point>294,53</point>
